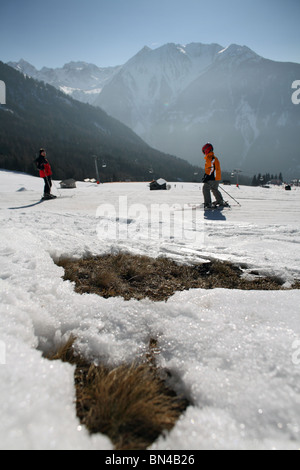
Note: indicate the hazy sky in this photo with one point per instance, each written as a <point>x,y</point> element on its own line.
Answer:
<point>109,32</point>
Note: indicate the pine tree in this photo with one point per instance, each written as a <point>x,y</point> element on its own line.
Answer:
<point>254,181</point>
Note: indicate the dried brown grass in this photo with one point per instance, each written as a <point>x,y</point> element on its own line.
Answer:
<point>131,404</point>
<point>137,277</point>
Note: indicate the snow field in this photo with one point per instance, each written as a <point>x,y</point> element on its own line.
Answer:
<point>232,352</point>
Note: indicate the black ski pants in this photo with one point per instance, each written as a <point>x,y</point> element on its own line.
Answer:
<point>48,184</point>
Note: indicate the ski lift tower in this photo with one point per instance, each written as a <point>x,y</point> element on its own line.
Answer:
<point>96,167</point>
<point>236,172</point>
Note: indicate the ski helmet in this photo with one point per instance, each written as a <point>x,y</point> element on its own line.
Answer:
<point>207,148</point>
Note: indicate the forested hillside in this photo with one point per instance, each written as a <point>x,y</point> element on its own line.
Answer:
<point>38,115</point>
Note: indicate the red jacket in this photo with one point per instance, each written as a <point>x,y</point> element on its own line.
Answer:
<point>44,166</point>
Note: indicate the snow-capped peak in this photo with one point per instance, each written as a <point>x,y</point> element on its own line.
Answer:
<point>24,67</point>
<point>81,80</point>
<point>235,50</point>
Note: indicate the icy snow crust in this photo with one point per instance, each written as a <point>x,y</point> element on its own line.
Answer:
<point>237,353</point>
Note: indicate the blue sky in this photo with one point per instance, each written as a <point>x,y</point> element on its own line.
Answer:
<point>109,32</point>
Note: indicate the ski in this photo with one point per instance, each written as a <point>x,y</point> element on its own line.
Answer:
<point>202,207</point>
<point>48,198</point>
<point>216,207</point>
<point>56,197</point>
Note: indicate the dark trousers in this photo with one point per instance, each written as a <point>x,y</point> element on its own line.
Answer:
<point>212,186</point>
<point>48,184</point>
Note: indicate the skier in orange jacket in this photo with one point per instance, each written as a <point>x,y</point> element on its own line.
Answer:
<point>212,178</point>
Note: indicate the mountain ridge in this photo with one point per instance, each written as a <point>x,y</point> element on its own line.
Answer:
<point>236,99</point>
<point>38,115</point>
<point>78,79</point>
<point>176,97</point>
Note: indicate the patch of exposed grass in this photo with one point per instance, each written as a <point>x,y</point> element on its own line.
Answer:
<point>137,277</point>
<point>296,285</point>
<point>131,404</point>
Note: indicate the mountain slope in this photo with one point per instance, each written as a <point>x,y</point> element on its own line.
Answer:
<point>149,83</point>
<point>38,115</point>
<point>177,97</point>
<point>80,80</point>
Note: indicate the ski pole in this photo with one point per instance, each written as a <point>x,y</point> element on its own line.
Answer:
<point>59,193</point>
<point>230,196</point>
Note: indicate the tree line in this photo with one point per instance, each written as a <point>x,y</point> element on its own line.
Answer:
<point>38,115</point>
<point>260,179</point>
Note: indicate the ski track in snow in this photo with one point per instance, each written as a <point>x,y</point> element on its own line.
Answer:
<point>236,353</point>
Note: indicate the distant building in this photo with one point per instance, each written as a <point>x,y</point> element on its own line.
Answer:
<point>68,184</point>
<point>159,184</point>
<point>275,182</point>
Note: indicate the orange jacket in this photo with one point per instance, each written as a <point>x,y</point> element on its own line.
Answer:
<point>212,167</point>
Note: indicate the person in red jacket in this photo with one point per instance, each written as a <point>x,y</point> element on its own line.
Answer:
<point>212,178</point>
<point>46,173</point>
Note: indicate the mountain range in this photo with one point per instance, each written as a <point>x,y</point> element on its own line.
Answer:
<point>38,115</point>
<point>80,80</point>
<point>178,97</point>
